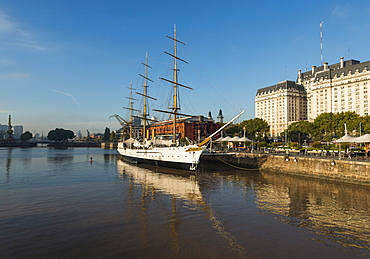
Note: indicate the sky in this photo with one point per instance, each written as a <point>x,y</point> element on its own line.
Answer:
<point>68,64</point>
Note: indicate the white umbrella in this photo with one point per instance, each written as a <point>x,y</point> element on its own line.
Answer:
<point>244,139</point>
<point>235,139</point>
<point>363,139</point>
<point>226,139</point>
<point>345,138</point>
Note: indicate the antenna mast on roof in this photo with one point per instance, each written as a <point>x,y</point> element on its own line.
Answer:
<point>321,42</point>
<point>349,54</point>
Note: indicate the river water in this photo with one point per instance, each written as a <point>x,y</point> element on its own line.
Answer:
<point>58,204</point>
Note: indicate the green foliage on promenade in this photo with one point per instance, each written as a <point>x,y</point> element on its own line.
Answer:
<point>255,129</point>
<point>325,128</point>
<point>328,126</point>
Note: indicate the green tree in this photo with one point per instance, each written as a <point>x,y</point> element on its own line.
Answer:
<point>26,136</point>
<point>295,135</point>
<point>112,136</point>
<point>106,134</point>
<point>317,144</point>
<point>60,134</point>
<point>299,131</point>
<point>256,129</point>
<point>351,119</point>
<point>331,125</point>
<point>232,130</point>
<point>324,127</point>
<point>365,124</point>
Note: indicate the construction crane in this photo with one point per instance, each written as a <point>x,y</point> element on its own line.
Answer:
<point>120,120</point>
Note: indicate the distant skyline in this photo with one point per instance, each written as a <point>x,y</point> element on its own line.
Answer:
<point>68,64</point>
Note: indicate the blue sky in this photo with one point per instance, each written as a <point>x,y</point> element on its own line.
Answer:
<point>69,63</point>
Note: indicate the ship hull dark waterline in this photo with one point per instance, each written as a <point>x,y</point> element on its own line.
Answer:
<point>175,165</point>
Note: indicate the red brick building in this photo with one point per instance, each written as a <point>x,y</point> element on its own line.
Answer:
<point>195,128</point>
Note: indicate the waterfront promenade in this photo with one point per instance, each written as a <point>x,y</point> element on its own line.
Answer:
<point>343,167</point>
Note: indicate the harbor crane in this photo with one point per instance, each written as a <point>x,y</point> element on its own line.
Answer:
<point>120,120</point>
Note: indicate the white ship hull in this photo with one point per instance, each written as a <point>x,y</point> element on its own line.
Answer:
<point>182,157</point>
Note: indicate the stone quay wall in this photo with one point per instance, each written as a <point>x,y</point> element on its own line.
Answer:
<point>109,145</point>
<point>340,170</point>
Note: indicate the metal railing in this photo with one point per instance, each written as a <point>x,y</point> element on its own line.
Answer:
<point>322,154</point>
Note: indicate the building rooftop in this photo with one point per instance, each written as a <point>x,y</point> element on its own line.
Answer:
<point>281,85</point>
<point>329,72</point>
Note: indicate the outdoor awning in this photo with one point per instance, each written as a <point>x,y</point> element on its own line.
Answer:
<point>348,139</point>
<point>363,139</point>
<point>226,139</point>
<point>244,139</point>
<point>235,139</point>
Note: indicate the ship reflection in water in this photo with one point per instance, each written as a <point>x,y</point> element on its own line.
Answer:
<point>182,185</point>
<point>179,185</point>
<point>327,215</point>
<point>59,204</point>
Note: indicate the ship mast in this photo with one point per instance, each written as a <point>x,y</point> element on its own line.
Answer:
<point>175,108</point>
<point>131,122</point>
<point>145,114</point>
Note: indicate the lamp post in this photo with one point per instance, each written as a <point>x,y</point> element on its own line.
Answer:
<point>286,137</point>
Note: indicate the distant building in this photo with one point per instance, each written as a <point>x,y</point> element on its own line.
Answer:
<point>96,135</point>
<point>193,127</point>
<point>17,131</point>
<point>280,105</point>
<point>3,131</point>
<point>220,117</point>
<point>340,87</point>
<point>4,128</point>
<point>337,88</point>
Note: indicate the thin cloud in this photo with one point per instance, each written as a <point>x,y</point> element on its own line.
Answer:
<point>73,98</point>
<point>13,35</point>
<point>7,111</point>
<point>342,11</point>
<point>6,24</point>
<point>14,76</point>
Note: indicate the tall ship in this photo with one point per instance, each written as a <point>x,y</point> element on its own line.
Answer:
<point>162,150</point>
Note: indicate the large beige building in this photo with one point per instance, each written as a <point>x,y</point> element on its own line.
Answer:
<point>281,104</point>
<point>336,88</point>
<point>340,87</point>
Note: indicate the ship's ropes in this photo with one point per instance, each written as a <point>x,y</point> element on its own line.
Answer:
<point>237,167</point>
